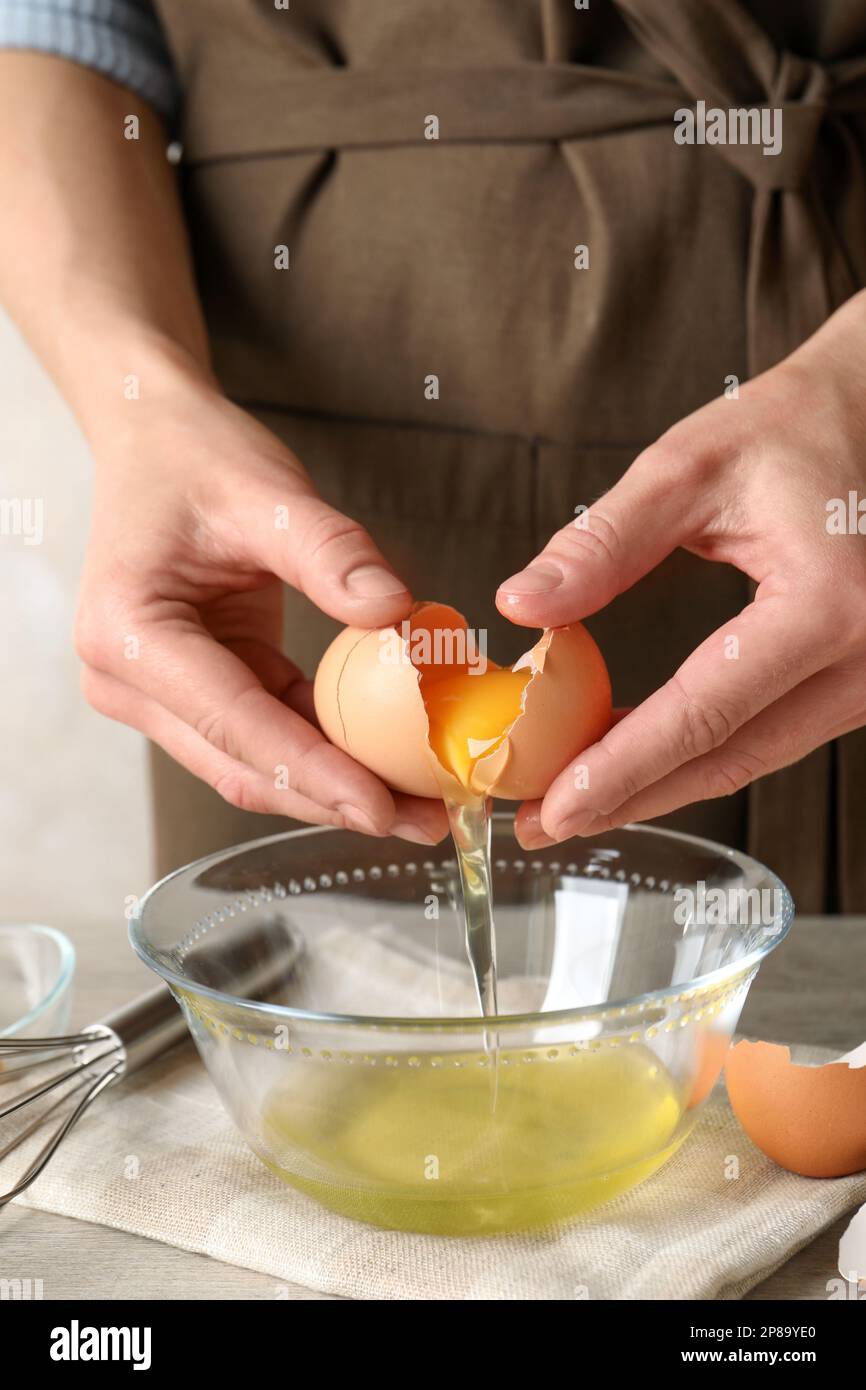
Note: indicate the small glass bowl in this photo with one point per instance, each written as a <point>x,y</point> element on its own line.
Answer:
<point>364,1076</point>
<point>36,968</point>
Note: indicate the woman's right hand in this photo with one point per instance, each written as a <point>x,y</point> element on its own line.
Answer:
<point>200,516</point>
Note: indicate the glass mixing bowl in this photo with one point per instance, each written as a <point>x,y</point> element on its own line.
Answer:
<point>36,968</point>
<point>364,1075</point>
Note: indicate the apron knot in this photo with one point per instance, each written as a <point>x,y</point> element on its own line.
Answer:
<point>774,144</point>
<point>799,268</point>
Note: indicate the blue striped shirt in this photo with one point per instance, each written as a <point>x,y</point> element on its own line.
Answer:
<point>120,38</point>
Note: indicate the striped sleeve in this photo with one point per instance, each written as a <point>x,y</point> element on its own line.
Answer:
<point>120,38</point>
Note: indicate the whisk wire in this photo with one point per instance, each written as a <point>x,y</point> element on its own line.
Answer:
<point>256,958</point>
<point>14,1047</point>
<point>98,1084</point>
<point>36,1092</point>
<point>99,1059</point>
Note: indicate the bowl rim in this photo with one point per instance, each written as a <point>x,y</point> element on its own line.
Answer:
<point>180,984</point>
<point>65,972</point>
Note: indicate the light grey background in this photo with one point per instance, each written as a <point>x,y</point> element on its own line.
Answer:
<point>74,822</point>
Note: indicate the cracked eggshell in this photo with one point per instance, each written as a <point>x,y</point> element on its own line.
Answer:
<point>374,710</point>
<point>809,1119</point>
<point>566,708</point>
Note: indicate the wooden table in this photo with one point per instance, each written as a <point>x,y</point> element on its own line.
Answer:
<point>810,990</point>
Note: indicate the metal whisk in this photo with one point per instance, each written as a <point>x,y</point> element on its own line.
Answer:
<point>91,1062</point>
<point>250,962</point>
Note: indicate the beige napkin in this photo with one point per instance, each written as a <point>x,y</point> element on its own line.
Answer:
<point>158,1156</point>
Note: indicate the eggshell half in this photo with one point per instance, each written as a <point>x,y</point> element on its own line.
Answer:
<point>375,710</point>
<point>566,707</point>
<point>810,1120</point>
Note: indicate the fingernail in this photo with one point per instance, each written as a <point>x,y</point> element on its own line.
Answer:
<point>372,581</point>
<point>585,824</point>
<point>529,832</point>
<point>407,830</point>
<point>358,819</point>
<point>535,579</point>
<point>533,839</point>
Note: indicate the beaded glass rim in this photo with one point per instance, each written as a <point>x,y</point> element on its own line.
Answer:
<point>700,987</point>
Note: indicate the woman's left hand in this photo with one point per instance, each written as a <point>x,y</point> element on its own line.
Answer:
<point>774,482</point>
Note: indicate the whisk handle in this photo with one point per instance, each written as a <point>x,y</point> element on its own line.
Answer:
<point>253,960</point>
<point>147,1026</point>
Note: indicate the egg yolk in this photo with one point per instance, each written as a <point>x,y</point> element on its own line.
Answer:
<point>469,715</point>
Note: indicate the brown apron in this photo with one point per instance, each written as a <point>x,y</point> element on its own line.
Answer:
<point>454,257</point>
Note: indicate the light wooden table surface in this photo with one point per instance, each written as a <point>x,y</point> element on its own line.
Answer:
<point>811,990</point>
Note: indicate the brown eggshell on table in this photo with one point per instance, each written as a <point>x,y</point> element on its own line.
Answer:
<point>810,1120</point>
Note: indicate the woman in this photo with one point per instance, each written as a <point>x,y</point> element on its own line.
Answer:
<point>453,280</point>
